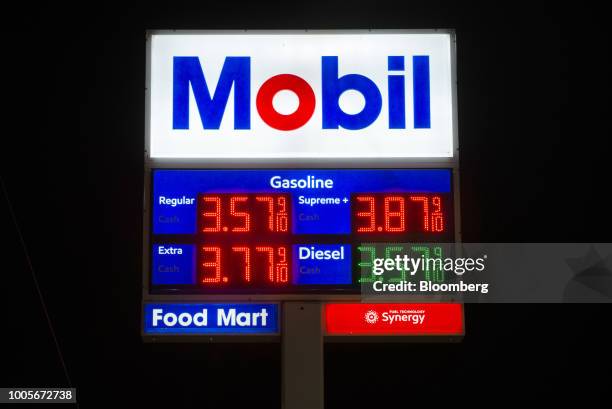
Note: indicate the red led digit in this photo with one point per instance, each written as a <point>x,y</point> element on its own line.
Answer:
<point>282,267</point>
<point>247,261</point>
<point>425,201</point>
<point>398,215</point>
<point>282,221</point>
<point>437,217</point>
<point>216,214</point>
<point>270,201</point>
<point>369,214</point>
<point>246,227</point>
<point>270,253</point>
<point>215,265</point>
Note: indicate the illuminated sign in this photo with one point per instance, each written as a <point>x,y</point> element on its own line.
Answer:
<point>288,231</point>
<point>211,318</point>
<point>393,319</point>
<point>300,95</point>
<point>280,165</point>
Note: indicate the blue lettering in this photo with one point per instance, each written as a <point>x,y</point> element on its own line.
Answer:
<point>397,95</point>
<point>333,87</point>
<point>236,70</point>
<point>420,76</point>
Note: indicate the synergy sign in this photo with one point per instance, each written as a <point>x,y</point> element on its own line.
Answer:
<point>393,319</point>
<point>300,95</point>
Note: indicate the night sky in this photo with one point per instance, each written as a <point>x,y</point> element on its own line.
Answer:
<point>533,101</point>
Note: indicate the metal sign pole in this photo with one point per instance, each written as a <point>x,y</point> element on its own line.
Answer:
<point>302,356</point>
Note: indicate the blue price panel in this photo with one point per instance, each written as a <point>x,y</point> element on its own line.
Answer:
<point>320,200</point>
<point>174,264</point>
<point>211,318</point>
<point>234,231</point>
<point>323,264</point>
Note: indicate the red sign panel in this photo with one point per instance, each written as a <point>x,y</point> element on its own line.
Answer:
<point>393,319</point>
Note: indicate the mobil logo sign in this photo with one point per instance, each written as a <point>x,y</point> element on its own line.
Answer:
<point>292,95</point>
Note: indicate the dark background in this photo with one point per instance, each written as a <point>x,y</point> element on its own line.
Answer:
<point>535,146</point>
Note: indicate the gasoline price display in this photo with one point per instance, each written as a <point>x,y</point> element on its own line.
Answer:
<point>287,231</point>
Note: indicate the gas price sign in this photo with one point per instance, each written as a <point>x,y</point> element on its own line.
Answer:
<point>277,162</point>
<point>287,231</point>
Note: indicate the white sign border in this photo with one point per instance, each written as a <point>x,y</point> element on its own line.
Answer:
<point>340,162</point>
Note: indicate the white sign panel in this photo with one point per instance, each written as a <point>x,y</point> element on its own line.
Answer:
<point>300,95</point>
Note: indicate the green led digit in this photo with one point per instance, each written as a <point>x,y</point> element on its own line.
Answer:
<point>424,251</point>
<point>369,277</point>
<point>438,272</point>
<point>396,249</point>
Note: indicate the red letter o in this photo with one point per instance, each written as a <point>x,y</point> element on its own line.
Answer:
<point>278,83</point>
